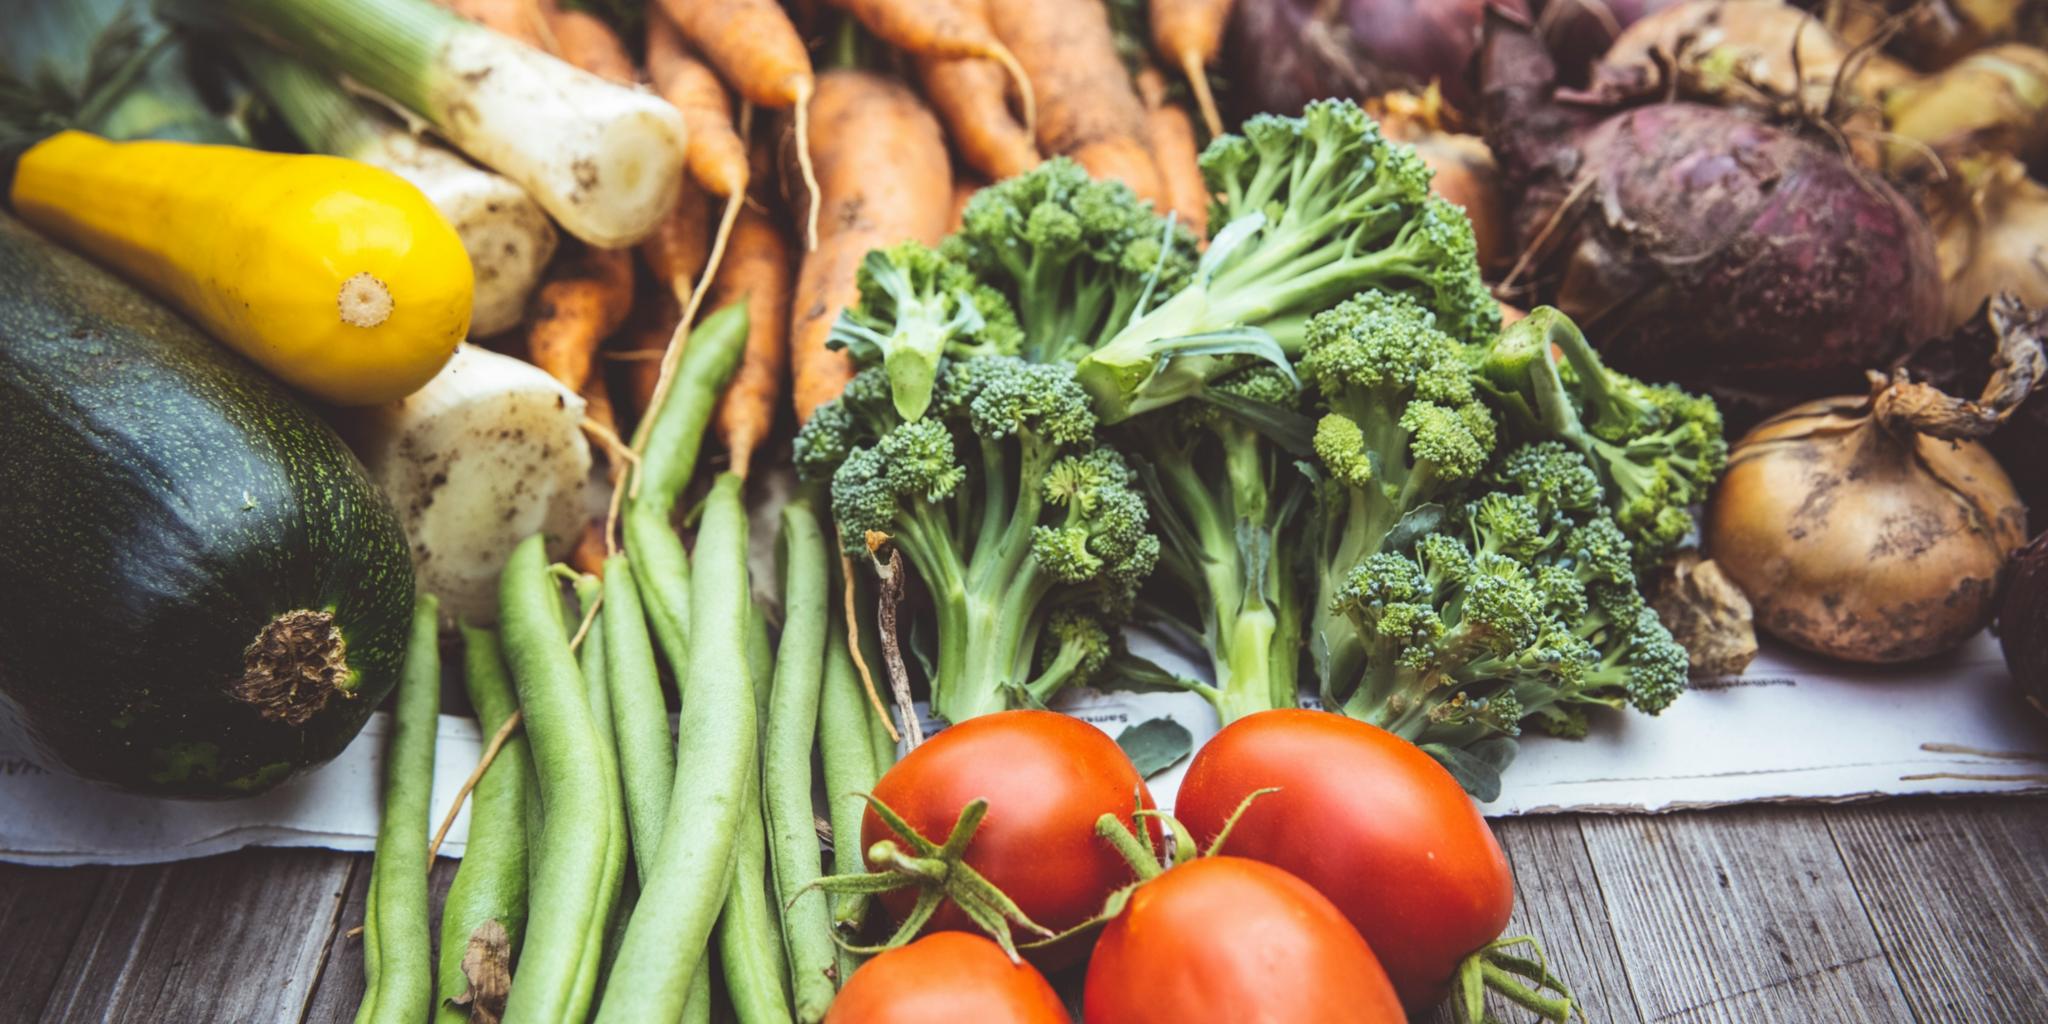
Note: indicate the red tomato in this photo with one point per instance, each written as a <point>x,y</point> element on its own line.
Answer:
<point>1234,941</point>
<point>1047,778</point>
<point>1373,823</point>
<point>946,978</point>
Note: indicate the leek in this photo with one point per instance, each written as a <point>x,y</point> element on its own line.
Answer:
<point>604,159</point>
<point>507,235</point>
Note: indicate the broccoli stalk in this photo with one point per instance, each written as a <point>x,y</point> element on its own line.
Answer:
<point>1014,518</point>
<point>1657,448</point>
<point>915,307</point>
<point>1404,428</point>
<point>1228,500</point>
<point>1314,208</point>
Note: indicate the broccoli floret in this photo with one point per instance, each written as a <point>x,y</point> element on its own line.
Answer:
<point>1402,428</point>
<point>1520,607</point>
<point>1657,448</point>
<point>1074,256</point>
<point>861,413</point>
<point>1007,507</point>
<point>1074,650</point>
<point>1311,209</point>
<point>915,306</point>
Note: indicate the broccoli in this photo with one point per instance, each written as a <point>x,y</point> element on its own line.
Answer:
<point>1016,519</point>
<point>1523,608</point>
<point>1076,257</point>
<point>916,306</point>
<point>1312,209</point>
<point>1228,501</point>
<point>1656,447</point>
<point>1403,429</point>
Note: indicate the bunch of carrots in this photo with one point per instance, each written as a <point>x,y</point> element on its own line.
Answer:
<point>798,166</point>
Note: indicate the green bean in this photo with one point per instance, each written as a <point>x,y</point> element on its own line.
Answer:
<point>716,746</point>
<point>647,756</point>
<point>669,445</point>
<point>570,854</point>
<point>398,952</point>
<point>848,754</point>
<point>491,883</point>
<point>786,761</point>
<point>749,934</point>
<point>604,937</point>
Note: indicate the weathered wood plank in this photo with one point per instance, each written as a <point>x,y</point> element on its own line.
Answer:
<point>120,914</point>
<point>42,911</point>
<point>1740,916</point>
<point>1958,893</point>
<point>340,988</point>
<point>209,929</point>
<point>1557,900</point>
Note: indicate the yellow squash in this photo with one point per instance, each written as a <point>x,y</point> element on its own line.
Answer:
<point>336,276</point>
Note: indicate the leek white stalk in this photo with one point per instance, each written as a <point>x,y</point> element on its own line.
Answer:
<point>507,235</point>
<point>604,159</point>
<point>489,453</point>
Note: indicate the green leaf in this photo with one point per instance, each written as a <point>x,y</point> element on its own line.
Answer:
<point>1478,768</point>
<point>1420,520</point>
<point>1155,745</point>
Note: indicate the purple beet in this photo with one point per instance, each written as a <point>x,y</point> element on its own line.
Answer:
<point>1284,53</point>
<point>1700,245</point>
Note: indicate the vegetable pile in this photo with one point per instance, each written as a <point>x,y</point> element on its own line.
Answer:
<point>1029,327</point>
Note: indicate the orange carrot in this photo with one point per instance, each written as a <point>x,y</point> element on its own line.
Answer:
<point>521,19</point>
<point>968,94</point>
<point>589,554</point>
<point>1087,108</point>
<point>757,270</point>
<point>1190,33</point>
<point>757,49</point>
<point>677,250</point>
<point>964,188</point>
<point>643,342</point>
<point>884,178</point>
<point>717,157</point>
<point>1172,137</point>
<point>583,39</point>
<point>941,29</point>
<point>583,301</point>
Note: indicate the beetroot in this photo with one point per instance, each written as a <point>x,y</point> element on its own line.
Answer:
<point>1284,53</point>
<point>1701,245</point>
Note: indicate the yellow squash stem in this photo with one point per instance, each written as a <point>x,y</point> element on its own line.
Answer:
<point>338,277</point>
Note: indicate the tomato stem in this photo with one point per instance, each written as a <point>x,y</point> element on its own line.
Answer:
<point>1133,850</point>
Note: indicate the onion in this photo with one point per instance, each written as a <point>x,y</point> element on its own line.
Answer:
<point>1742,51</point>
<point>1993,101</point>
<point>1992,236</point>
<point>1933,34</point>
<point>1875,528</point>
<point>1701,245</point>
<point>1284,53</point>
<point>2023,623</point>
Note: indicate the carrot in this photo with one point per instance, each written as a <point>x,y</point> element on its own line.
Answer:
<point>942,29</point>
<point>676,252</point>
<point>968,94</point>
<point>1172,137</point>
<point>757,49</point>
<point>1190,33</point>
<point>757,270</point>
<point>583,39</point>
<point>717,156</point>
<point>521,19</point>
<point>964,188</point>
<point>588,556</point>
<point>884,177</point>
<point>1086,106</point>
<point>583,301</point>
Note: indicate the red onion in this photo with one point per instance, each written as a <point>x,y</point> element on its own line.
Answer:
<point>1284,53</point>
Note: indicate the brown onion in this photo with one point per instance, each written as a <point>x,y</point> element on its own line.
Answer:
<point>1875,528</point>
<point>1991,235</point>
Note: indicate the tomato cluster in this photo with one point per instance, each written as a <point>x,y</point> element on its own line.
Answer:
<point>1354,879</point>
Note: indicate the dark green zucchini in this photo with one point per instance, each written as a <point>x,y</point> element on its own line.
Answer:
<point>200,591</point>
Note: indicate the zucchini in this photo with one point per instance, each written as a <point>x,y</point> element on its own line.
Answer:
<point>201,593</point>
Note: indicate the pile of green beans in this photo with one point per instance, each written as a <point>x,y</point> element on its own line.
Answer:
<point>398,960</point>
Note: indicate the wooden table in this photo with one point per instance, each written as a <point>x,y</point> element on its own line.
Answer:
<point>1907,910</point>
